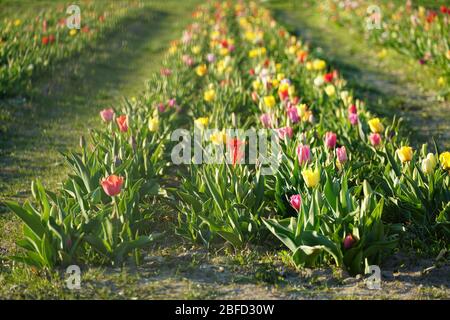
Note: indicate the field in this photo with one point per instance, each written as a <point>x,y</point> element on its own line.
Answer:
<point>93,122</point>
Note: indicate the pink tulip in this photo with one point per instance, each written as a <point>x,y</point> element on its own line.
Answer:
<point>112,185</point>
<point>171,103</point>
<point>296,201</point>
<point>293,114</point>
<point>266,121</point>
<point>349,241</point>
<point>211,57</point>
<point>107,114</point>
<point>353,117</point>
<point>330,140</point>
<point>303,154</point>
<point>375,139</point>
<point>286,131</point>
<point>341,154</point>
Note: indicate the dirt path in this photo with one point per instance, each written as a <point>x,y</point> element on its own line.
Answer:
<point>392,86</point>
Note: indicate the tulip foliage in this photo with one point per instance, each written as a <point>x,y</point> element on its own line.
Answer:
<point>345,191</point>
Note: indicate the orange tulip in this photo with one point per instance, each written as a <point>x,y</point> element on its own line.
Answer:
<point>112,185</point>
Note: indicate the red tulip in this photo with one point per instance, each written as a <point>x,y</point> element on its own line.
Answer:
<point>235,148</point>
<point>296,201</point>
<point>112,185</point>
<point>349,241</point>
<point>328,77</point>
<point>45,40</point>
<point>444,9</point>
<point>352,109</point>
<point>122,122</point>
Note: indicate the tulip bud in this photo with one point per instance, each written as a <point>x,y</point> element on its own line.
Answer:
<point>296,201</point>
<point>427,166</point>
<point>349,241</point>
<point>341,154</point>
<point>82,142</point>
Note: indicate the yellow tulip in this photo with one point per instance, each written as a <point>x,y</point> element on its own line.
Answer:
<point>376,126</point>
<point>209,95</point>
<point>218,138</point>
<point>441,81</point>
<point>319,64</point>
<point>196,49</point>
<point>201,122</point>
<point>312,178</point>
<point>73,32</point>
<point>153,124</point>
<point>330,90</point>
<point>269,101</point>
<point>201,70</point>
<point>444,159</point>
<point>405,154</point>
<point>17,22</point>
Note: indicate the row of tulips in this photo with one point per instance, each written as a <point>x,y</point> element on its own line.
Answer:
<point>347,185</point>
<point>31,43</point>
<point>104,211</point>
<point>418,32</point>
<point>346,189</point>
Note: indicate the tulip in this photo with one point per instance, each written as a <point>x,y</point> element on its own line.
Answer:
<point>201,70</point>
<point>171,103</point>
<point>201,122</point>
<point>218,138</point>
<point>235,148</point>
<point>353,117</point>
<point>427,166</point>
<point>153,124</point>
<point>375,139</point>
<point>122,122</point>
<point>211,57</point>
<point>349,241</point>
<point>375,125</point>
<point>265,119</point>
<point>318,64</point>
<point>330,90</point>
<point>405,154</point>
<point>318,81</point>
<point>269,101</point>
<point>209,95</point>
<point>51,38</point>
<point>112,185</point>
<point>293,114</point>
<point>296,201</point>
<point>45,40</point>
<point>341,154</point>
<point>303,154</point>
<point>352,109</point>
<point>328,77</point>
<point>285,132</point>
<point>107,114</point>
<point>330,140</point>
<point>444,159</point>
<point>72,32</point>
<point>255,97</point>
<point>312,178</point>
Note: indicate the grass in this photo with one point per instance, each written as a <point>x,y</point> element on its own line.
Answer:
<point>64,106</point>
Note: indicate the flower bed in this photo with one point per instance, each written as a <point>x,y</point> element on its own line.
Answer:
<point>31,43</point>
<point>344,190</point>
